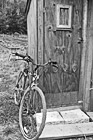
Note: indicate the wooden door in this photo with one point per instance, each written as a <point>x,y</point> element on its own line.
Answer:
<point>62,44</point>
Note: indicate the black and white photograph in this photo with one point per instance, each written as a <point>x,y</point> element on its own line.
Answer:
<point>46,69</point>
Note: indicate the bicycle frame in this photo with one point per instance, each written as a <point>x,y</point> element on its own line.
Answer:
<point>27,74</point>
<point>31,74</point>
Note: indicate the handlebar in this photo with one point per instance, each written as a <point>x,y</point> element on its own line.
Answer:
<point>21,55</point>
<point>50,62</point>
<point>27,58</point>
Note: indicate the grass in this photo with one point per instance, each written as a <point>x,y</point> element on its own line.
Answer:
<point>9,122</point>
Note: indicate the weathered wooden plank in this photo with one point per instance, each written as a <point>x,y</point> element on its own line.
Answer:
<point>61,99</point>
<point>59,109</point>
<point>62,46</point>
<point>51,118</point>
<point>57,115</point>
<point>74,116</point>
<point>89,57</point>
<point>40,46</point>
<point>73,98</point>
<point>91,99</point>
<point>84,48</point>
<point>40,31</point>
<point>32,32</point>
<point>63,117</point>
<point>61,131</point>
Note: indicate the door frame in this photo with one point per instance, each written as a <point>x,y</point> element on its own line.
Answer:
<point>87,56</point>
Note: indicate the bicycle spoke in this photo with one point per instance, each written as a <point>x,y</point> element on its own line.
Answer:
<point>31,105</point>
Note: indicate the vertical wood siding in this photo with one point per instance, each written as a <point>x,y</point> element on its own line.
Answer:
<point>84,49</point>
<point>88,94</point>
<point>40,31</point>
<point>32,30</point>
<point>64,47</point>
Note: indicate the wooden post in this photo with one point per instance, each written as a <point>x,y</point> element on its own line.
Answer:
<point>86,64</point>
<point>84,47</point>
<point>40,31</point>
<point>89,60</point>
<point>32,30</point>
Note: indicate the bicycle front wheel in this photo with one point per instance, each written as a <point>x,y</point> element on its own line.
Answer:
<point>21,85</point>
<point>32,113</point>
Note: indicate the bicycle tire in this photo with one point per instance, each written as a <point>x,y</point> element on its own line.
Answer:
<point>37,89</point>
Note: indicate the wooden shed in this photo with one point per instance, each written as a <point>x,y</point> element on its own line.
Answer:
<point>63,31</point>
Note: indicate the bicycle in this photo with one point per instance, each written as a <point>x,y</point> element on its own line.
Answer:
<point>30,98</point>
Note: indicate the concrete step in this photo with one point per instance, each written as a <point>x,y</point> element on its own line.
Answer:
<point>65,124</point>
<point>74,116</point>
<point>61,131</point>
<point>63,117</point>
<point>52,118</point>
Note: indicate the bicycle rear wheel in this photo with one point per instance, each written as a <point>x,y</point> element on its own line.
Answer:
<point>33,105</point>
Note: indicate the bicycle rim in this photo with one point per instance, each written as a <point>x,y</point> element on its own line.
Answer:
<point>30,127</point>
